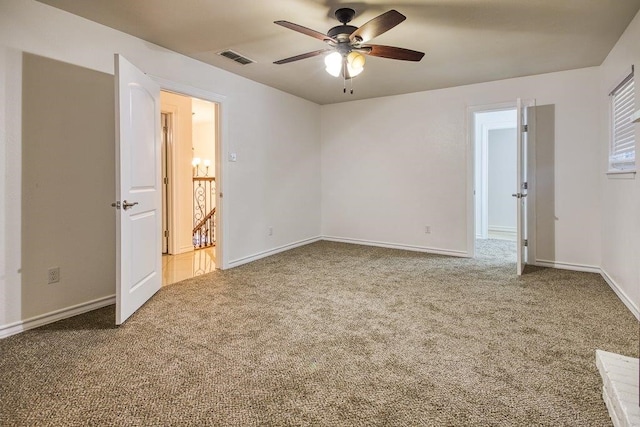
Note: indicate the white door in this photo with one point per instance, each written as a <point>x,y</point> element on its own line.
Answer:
<point>522,183</point>
<point>138,189</point>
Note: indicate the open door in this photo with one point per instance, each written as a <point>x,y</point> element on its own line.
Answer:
<point>523,170</point>
<point>138,189</point>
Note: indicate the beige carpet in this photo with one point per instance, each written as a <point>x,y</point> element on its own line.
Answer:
<point>332,335</point>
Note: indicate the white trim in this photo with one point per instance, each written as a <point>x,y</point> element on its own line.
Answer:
<point>264,254</point>
<point>567,266</point>
<point>54,316</point>
<point>621,294</point>
<point>170,190</point>
<point>621,174</point>
<point>532,188</point>
<point>413,248</point>
<point>502,229</point>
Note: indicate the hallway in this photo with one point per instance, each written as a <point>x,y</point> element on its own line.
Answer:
<point>176,268</point>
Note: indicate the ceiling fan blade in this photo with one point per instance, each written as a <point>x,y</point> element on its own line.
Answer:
<point>303,56</point>
<point>377,26</point>
<point>393,52</point>
<point>307,31</point>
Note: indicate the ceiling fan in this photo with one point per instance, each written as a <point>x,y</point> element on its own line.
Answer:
<point>347,43</point>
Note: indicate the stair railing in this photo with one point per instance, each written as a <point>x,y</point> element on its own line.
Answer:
<point>204,210</point>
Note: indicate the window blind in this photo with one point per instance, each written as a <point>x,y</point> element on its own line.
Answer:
<point>622,154</point>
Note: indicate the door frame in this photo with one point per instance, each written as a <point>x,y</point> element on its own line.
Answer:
<point>167,188</point>
<point>221,154</point>
<point>172,225</point>
<point>471,174</point>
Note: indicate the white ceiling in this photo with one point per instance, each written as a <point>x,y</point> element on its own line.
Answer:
<point>465,41</point>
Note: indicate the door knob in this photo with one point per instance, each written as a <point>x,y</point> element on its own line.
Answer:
<point>126,205</point>
<point>518,195</point>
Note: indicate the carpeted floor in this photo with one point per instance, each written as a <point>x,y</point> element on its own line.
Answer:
<point>332,335</point>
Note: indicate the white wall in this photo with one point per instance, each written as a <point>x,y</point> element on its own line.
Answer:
<point>502,182</point>
<point>67,186</point>
<point>275,181</point>
<point>204,133</point>
<point>620,193</point>
<point>392,165</point>
<point>10,185</point>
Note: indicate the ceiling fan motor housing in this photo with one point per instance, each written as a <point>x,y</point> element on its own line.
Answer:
<point>341,32</point>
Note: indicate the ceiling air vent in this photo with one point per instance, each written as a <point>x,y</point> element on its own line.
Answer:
<point>235,56</point>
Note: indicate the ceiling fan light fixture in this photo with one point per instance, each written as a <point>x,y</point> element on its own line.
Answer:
<point>349,57</point>
<point>355,63</point>
<point>356,60</point>
<point>333,63</point>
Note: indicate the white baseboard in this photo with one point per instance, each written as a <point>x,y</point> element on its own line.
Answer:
<point>43,319</point>
<point>567,266</point>
<point>425,249</point>
<point>54,316</point>
<point>502,229</point>
<point>264,254</point>
<point>621,294</point>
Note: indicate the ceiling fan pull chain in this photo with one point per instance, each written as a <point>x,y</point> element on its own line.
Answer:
<point>344,77</point>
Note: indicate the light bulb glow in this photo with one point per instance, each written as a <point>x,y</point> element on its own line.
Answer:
<point>353,71</point>
<point>195,162</point>
<point>333,61</point>
<point>355,63</point>
<point>356,60</point>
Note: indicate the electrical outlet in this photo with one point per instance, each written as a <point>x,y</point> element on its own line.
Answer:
<point>427,229</point>
<point>54,275</point>
<point>270,231</point>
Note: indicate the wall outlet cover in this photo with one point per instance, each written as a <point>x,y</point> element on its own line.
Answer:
<point>53,275</point>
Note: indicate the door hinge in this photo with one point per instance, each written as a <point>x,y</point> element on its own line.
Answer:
<point>166,233</point>
<point>221,195</point>
<point>165,180</point>
<point>525,128</point>
<point>525,242</point>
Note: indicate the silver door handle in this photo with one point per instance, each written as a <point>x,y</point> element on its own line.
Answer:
<point>518,195</point>
<point>126,205</point>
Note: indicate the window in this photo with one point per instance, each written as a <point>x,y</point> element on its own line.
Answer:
<point>622,152</point>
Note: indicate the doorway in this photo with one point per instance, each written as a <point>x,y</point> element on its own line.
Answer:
<point>190,224</point>
<point>496,123</point>
<point>496,174</point>
<point>495,144</point>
